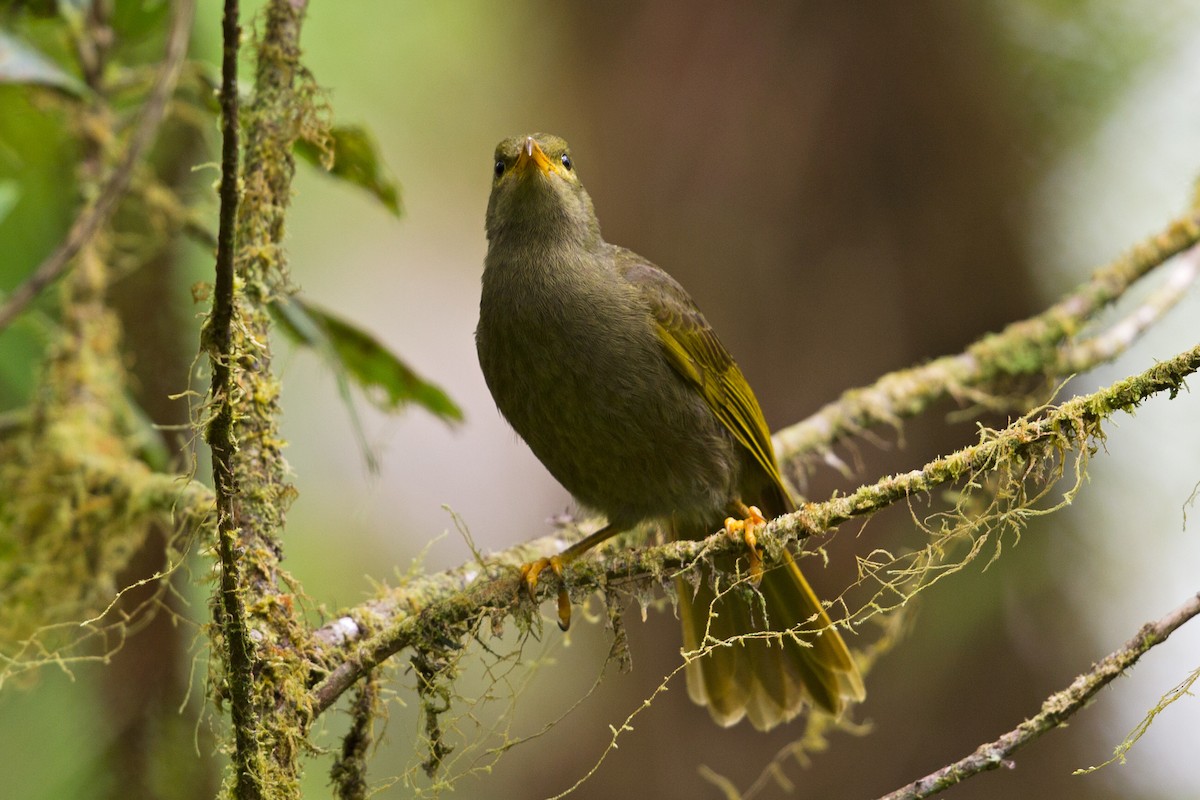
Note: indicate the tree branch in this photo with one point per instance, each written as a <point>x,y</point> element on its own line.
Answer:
<point>1056,710</point>
<point>1028,347</point>
<point>1081,356</point>
<point>257,617</point>
<point>96,214</point>
<point>231,610</point>
<point>433,608</point>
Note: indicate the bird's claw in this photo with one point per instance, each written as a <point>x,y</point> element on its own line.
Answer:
<point>530,575</point>
<point>746,530</point>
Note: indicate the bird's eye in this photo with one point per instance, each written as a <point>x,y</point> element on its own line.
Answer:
<point>499,167</point>
<point>566,161</point>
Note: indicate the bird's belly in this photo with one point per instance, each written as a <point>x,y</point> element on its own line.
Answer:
<point>612,420</point>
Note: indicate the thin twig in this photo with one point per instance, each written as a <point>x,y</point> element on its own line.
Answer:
<point>97,213</point>
<point>1056,710</point>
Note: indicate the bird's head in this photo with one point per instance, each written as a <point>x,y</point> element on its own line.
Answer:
<point>537,194</point>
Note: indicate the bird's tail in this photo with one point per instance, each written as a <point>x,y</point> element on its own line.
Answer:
<point>785,650</point>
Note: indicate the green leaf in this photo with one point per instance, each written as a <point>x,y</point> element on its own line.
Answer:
<point>21,63</point>
<point>354,157</point>
<point>387,381</point>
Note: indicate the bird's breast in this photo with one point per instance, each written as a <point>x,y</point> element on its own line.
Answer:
<point>573,361</point>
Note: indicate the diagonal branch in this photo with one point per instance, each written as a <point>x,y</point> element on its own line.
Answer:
<point>430,608</point>
<point>1056,710</point>
<point>1079,415</point>
<point>96,214</point>
<point>1080,356</point>
<point>1023,348</point>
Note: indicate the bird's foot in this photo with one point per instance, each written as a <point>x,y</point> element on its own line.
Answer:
<point>746,529</point>
<point>531,573</point>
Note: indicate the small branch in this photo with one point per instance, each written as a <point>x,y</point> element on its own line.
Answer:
<point>222,313</point>
<point>349,771</point>
<point>1106,346</point>
<point>1022,348</point>
<point>96,214</point>
<point>1076,414</point>
<point>1057,709</point>
<point>362,639</point>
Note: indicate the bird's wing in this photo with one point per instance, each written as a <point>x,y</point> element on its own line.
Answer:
<point>698,355</point>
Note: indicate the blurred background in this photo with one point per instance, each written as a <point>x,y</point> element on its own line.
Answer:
<point>845,189</point>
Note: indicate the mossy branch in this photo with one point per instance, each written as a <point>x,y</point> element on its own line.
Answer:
<point>74,498</point>
<point>1055,711</point>
<point>1040,345</point>
<point>255,615</point>
<point>437,607</point>
<point>231,609</point>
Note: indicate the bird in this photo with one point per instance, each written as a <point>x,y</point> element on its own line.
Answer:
<point>607,369</point>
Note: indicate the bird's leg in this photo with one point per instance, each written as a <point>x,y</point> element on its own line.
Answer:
<point>532,572</point>
<point>746,530</point>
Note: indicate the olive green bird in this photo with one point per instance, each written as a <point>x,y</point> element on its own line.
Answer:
<point>607,369</point>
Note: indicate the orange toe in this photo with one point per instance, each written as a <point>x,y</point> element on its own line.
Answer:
<point>531,574</point>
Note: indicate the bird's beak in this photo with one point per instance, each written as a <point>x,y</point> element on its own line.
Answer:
<point>532,153</point>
